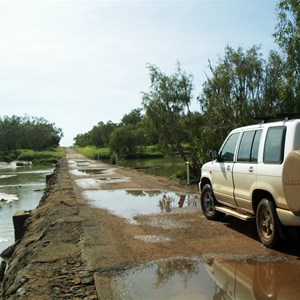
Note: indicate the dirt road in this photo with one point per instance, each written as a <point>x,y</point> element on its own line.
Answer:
<point>73,250</point>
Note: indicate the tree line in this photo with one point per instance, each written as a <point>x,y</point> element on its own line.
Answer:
<point>27,133</point>
<point>241,86</point>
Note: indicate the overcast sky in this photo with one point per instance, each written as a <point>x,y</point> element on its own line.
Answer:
<point>76,63</point>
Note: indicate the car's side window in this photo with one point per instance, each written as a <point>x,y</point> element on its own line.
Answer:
<point>227,152</point>
<point>244,154</point>
<point>248,150</point>
<point>274,145</point>
<point>255,146</point>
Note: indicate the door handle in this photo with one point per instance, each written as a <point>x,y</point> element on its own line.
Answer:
<point>228,168</point>
<point>251,170</point>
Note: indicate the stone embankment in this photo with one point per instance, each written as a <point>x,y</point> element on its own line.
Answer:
<point>46,262</point>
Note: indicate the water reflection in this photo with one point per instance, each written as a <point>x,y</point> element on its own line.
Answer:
<point>166,166</point>
<point>165,203</point>
<point>128,203</point>
<point>142,193</point>
<point>178,278</point>
<point>185,269</point>
<point>21,189</point>
<point>217,279</point>
<point>254,280</point>
<point>93,171</point>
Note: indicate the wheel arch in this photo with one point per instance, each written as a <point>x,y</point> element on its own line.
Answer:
<point>258,195</point>
<point>204,181</point>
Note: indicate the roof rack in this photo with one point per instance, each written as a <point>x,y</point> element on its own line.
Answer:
<point>278,117</point>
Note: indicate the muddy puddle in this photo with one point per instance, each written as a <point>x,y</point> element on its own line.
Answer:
<point>185,278</point>
<point>91,172</point>
<point>90,183</point>
<point>128,203</point>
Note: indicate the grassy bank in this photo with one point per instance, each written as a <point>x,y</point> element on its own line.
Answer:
<point>105,154</point>
<point>45,157</point>
<point>93,152</point>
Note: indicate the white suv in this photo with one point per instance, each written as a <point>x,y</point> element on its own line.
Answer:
<point>256,174</point>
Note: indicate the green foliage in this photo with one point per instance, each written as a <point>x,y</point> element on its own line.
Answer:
<point>38,157</point>
<point>133,118</point>
<point>242,86</point>
<point>28,132</point>
<point>287,36</point>
<point>98,136</point>
<point>168,114</point>
<point>127,140</point>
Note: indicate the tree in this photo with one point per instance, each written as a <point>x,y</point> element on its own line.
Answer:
<point>287,36</point>
<point>98,136</point>
<point>132,118</point>
<point>242,86</point>
<point>167,107</point>
<point>82,139</point>
<point>126,141</point>
<point>28,132</point>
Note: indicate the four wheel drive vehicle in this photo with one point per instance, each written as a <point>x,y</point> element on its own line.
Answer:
<point>256,174</point>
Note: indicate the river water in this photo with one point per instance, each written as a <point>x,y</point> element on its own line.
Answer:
<point>21,188</point>
<point>165,167</point>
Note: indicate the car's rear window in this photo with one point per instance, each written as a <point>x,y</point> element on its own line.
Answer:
<point>274,145</point>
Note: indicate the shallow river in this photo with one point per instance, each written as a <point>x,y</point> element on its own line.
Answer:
<point>20,189</point>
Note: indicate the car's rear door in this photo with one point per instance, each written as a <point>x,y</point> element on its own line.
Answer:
<point>245,168</point>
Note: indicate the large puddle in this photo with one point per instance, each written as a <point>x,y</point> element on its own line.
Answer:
<point>185,278</point>
<point>128,203</point>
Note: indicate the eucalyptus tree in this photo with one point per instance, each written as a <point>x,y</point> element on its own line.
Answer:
<point>167,106</point>
<point>126,141</point>
<point>287,36</point>
<point>28,133</point>
<point>241,86</point>
<point>134,117</point>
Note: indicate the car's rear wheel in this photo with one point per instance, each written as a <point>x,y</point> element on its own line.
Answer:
<point>208,204</point>
<point>267,223</point>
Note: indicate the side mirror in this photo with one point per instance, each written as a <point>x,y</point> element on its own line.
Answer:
<point>213,154</point>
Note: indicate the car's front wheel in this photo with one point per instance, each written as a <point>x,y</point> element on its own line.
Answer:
<point>267,223</point>
<point>208,204</point>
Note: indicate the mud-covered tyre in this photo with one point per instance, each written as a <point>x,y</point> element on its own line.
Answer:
<point>267,223</point>
<point>208,204</point>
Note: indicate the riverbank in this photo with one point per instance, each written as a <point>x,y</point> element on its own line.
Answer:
<point>75,250</point>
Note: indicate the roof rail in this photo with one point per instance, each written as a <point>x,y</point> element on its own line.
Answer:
<point>278,117</point>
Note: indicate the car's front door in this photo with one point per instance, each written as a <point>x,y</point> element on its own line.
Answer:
<point>222,171</point>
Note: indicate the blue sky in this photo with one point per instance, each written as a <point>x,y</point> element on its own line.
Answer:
<point>76,63</point>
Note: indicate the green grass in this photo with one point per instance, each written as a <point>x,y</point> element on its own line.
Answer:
<point>105,154</point>
<point>93,152</point>
<point>40,157</point>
